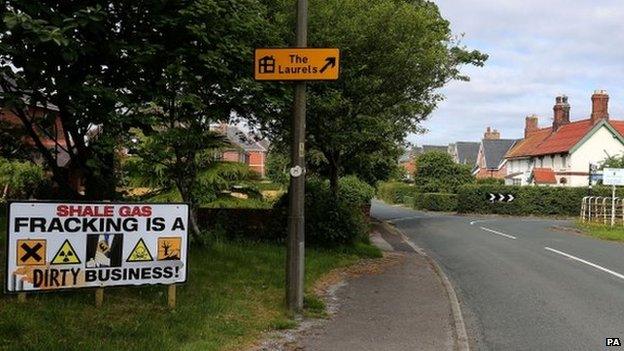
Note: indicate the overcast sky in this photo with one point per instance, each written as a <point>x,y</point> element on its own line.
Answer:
<point>538,49</point>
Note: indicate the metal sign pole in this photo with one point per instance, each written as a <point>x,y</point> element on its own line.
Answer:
<point>613,207</point>
<point>296,234</point>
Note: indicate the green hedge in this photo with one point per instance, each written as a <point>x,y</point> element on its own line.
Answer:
<point>396,192</point>
<point>529,200</point>
<point>436,202</point>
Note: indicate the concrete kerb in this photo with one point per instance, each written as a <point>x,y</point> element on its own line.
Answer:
<point>461,336</point>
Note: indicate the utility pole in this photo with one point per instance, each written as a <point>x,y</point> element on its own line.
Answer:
<point>296,220</point>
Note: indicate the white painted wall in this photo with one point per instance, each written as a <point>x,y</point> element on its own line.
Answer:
<point>594,150</point>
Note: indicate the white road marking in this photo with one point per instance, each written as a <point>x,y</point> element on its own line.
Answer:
<point>482,221</point>
<point>606,270</point>
<point>499,233</point>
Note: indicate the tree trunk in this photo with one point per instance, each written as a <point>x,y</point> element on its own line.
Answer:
<point>185,190</point>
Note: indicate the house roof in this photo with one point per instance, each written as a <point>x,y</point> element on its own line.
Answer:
<point>546,142</point>
<point>544,176</point>
<point>494,151</point>
<point>467,152</point>
<point>242,139</point>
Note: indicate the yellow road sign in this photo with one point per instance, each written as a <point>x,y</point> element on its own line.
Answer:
<point>297,64</point>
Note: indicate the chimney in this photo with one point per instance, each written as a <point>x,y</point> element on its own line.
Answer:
<point>491,134</point>
<point>600,106</point>
<point>562,112</point>
<point>531,125</point>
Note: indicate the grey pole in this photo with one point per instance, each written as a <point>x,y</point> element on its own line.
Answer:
<point>296,232</point>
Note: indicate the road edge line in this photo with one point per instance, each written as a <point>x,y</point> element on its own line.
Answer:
<point>461,336</point>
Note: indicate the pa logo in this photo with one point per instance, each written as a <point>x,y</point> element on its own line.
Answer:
<point>614,342</point>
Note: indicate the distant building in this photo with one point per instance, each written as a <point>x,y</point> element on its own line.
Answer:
<point>561,154</point>
<point>464,152</point>
<point>491,162</point>
<point>245,148</point>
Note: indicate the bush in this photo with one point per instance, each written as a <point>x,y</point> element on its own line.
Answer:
<point>396,192</point>
<point>22,178</point>
<point>528,200</point>
<point>355,191</point>
<point>436,202</point>
<point>436,172</point>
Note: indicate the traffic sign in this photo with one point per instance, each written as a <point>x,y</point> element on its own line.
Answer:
<point>501,197</point>
<point>613,176</point>
<point>297,64</point>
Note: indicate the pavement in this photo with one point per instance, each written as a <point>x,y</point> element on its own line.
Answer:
<point>405,307</point>
<point>523,283</point>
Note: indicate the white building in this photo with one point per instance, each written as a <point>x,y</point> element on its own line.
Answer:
<point>561,154</point>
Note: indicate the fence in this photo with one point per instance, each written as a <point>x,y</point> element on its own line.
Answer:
<point>605,210</point>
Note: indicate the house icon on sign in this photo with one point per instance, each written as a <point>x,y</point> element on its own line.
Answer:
<point>267,64</point>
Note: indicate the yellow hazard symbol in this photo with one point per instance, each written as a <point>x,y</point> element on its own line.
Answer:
<point>31,252</point>
<point>140,253</point>
<point>66,255</point>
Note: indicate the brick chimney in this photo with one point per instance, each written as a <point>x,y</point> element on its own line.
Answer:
<point>600,106</point>
<point>491,134</point>
<point>531,125</point>
<point>562,112</point>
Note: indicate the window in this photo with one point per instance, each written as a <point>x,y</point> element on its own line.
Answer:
<point>552,161</point>
<point>517,182</point>
<point>564,161</point>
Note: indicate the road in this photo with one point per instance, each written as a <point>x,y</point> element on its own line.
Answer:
<point>523,284</point>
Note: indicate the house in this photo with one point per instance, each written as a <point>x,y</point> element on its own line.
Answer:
<point>561,154</point>
<point>244,148</point>
<point>464,152</point>
<point>491,161</point>
<point>408,164</point>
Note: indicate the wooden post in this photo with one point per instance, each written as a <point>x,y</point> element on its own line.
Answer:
<point>21,297</point>
<point>99,297</point>
<point>171,296</point>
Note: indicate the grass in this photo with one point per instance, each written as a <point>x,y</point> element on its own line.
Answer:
<point>234,294</point>
<point>601,231</point>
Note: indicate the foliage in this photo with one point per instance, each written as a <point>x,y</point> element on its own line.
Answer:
<point>436,202</point>
<point>330,220</point>
<point>71,59</point>
<point>437,172</point>
<point>20,179</point>
<point>358,122</point>
<point>601,231</point>
<point>355,191</point>
<point>277,166</point>
<point>613,162</point>
<point>490,181</point>
<point>540,201</point>
<point>396,192</point>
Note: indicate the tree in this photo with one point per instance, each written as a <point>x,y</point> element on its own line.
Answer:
<point>437,172</point>
<point>195,65</point>
<point>395,54</point>
<point>69,60</point>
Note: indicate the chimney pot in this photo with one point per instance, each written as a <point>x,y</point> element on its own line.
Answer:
<point>531,125</point>
<point>561,112</point>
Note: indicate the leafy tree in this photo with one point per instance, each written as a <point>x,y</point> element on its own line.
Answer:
<point>19,179</point>
<point>395,54</point>
<point>277,165</point>
<point>195,64</point>
<point>436,172</point>
<point>68,59</point>
<point>613,162</point>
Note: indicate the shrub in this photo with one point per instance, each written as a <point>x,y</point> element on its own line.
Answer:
<point>396,192</point>
<point>436,202</point>
<point>22,178</point>
<point>355,191</point>
<point>528,200</point>
<point>437,172</point>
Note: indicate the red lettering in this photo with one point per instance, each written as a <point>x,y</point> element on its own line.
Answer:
<point>61,210</point>
<point>135,211</point>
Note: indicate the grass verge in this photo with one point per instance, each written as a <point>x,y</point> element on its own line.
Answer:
<point>601,231</point>
<point>233,295</point>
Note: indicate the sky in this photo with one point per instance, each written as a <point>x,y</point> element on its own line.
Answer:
<point>538,49</point>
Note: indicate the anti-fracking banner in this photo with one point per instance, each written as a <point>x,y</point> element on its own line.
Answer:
<point>54,246</point>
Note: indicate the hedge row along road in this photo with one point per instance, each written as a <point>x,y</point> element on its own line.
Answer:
<point>523,283</point>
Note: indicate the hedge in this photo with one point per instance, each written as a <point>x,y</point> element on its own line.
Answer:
<point>528,200</point>
<point>396,192</point>
<point>436,202</point>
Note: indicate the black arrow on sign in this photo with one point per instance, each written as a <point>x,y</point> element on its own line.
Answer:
<point>331,62</point>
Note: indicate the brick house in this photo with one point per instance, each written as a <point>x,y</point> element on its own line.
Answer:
<point>491,162</point>
<point>245,148</point>
<point>561,154</point>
